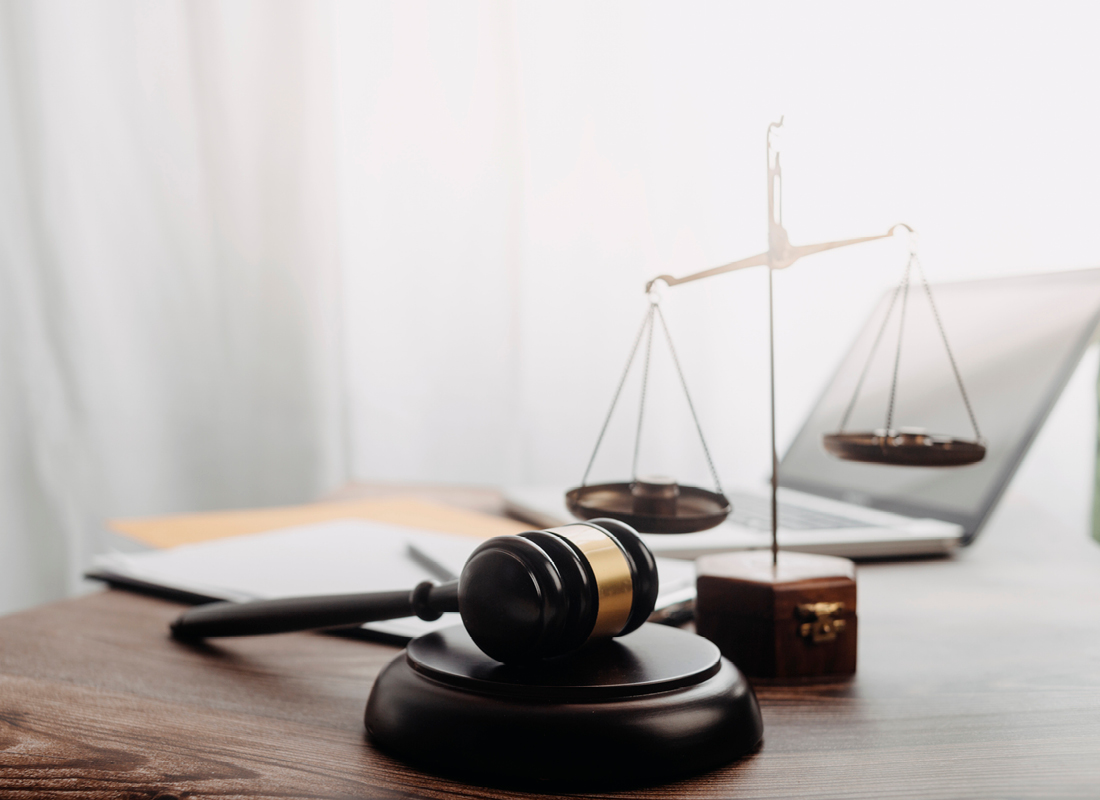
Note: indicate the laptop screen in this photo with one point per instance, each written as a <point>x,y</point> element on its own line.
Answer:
<point>1016,342</point>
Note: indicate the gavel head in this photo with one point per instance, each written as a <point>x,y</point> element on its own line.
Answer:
<point>547,593</point>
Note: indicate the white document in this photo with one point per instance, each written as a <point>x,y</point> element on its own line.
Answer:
<point>337,557</point>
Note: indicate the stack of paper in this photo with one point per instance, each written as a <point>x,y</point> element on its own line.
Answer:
<point>337,557</point>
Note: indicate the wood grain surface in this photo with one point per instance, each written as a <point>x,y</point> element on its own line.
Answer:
<point>978,677</point>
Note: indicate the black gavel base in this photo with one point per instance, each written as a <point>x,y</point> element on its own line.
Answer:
<point>653,706</point>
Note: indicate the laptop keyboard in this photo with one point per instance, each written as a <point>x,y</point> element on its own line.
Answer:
<point>754,512</point>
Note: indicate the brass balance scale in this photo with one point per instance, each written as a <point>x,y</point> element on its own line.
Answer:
<point>660,505</point>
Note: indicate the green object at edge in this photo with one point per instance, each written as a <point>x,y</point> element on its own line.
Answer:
<point>1096,475</point>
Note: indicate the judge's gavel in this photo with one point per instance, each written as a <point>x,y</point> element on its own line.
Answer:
<point>536,595</point>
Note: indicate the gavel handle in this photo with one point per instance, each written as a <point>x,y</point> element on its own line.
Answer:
<point>427,601</point>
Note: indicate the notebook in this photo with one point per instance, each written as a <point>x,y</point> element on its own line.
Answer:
<point>340,556</point>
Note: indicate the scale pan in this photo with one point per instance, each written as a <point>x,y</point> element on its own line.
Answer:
<point>661,507</point>
<point>904,448</point>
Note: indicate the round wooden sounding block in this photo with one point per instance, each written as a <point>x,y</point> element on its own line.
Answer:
<point>658,704</point>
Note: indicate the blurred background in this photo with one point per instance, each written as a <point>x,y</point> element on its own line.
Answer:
<point>253,250</point>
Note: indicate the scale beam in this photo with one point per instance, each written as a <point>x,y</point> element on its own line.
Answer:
<point>751,261</point>
<point>775,260</point>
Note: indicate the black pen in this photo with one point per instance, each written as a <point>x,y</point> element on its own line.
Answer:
<point>438,571</point>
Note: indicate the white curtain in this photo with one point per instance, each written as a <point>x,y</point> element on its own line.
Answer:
<point>223,223</point>
<point>168,273</point>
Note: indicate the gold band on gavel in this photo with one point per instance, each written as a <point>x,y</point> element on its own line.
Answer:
<point>614,583</point>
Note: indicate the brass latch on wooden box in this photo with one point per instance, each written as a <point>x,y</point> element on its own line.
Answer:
<point>819,621</point>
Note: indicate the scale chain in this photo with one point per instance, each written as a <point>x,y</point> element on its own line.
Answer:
<point>646,321</point>
<point>950,355</point>
<point>871,356</point>
<point>904,285</point>
<point>691,405</point>
<point>901,336</point>
<point>645,384</point>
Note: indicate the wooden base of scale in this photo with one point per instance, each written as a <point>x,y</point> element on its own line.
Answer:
<point>655,705</point>
<point>793,621</point>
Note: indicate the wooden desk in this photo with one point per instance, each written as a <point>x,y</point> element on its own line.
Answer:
<point>978,677</point>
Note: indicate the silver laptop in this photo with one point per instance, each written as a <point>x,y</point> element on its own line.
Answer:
<point>1017,341</point>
